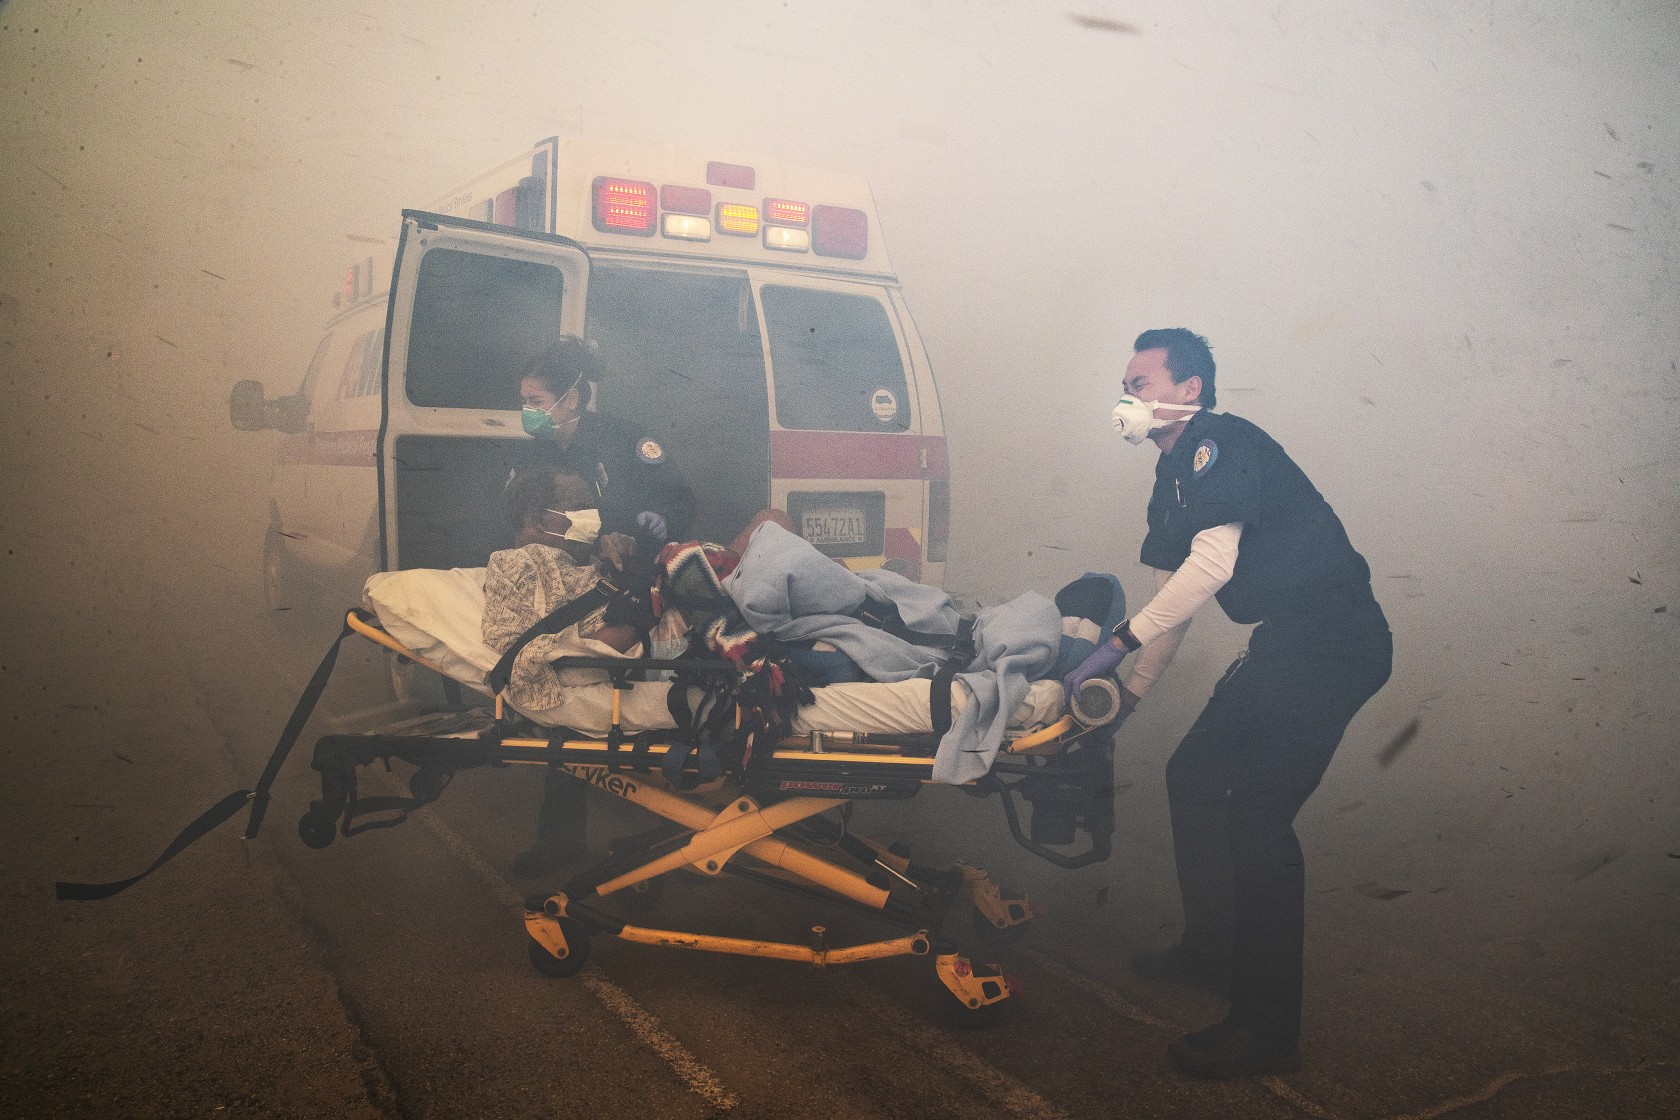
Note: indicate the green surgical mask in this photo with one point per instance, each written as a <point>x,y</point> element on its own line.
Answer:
<point>537,421</point>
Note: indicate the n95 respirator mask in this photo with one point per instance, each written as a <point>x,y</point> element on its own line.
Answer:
<point>1135,419</point>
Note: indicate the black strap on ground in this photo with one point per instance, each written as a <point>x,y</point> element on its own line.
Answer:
<point>225,808</point>
<point>555,621</point>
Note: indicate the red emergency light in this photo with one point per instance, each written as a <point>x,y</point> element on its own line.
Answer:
<point>624,206</point>
<point>786,212</point>
<point>840,231</point>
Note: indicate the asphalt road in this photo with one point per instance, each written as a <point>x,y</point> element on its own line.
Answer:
<point>386,976</point>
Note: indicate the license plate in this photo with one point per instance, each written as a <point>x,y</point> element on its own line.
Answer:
<point>834,525</point>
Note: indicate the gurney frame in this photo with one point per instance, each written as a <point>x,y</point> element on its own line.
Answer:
<point>772,829</point>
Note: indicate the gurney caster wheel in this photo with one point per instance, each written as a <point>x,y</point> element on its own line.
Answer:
<point>317,829</point>
<point>577,945</point>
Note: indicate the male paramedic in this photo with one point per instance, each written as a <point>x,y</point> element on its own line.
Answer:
<point>1232,517</point>
<point>636,490</point>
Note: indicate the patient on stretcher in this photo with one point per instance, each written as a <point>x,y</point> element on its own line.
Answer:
<point>780,588</point>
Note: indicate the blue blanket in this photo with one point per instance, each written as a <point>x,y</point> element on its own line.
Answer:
<point>1015,643</point>
<point>788,590</point>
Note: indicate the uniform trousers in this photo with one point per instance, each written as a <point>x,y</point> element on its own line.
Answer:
<point>1234,787</point>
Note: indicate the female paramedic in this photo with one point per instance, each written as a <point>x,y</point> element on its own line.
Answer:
<point>1232,517</point>
<point>636,491</point>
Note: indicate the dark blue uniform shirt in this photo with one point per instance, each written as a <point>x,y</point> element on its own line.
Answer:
<point>1295,566</point>
<point>629,472</point>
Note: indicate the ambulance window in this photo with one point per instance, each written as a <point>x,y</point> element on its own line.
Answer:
<point>478,322</point>
<point>835,360</point>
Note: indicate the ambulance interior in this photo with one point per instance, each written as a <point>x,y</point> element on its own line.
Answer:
<point>684,359</point>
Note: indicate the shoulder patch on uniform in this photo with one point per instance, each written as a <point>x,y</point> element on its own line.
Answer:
<point>649,451</point>
<point>1206,452</point>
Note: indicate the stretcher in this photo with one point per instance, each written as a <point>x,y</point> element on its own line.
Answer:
<point>778,816</point>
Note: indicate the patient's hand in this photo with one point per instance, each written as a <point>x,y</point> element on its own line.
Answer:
<point>616,549</point>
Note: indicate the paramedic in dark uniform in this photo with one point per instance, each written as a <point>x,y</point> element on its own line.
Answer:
<point>1232,517</point>
<point>633,480</point>
<point>638,493</point>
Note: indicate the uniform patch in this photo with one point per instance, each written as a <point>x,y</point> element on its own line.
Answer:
<point>1206,452</point>
<point>649,452</point>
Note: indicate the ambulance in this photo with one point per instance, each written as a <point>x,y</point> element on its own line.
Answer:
<point>745,314</point>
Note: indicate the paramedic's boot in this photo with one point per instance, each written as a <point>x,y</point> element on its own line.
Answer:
<point>1209,971</point>
<point>561,827</point>
<point>1224,1050</point>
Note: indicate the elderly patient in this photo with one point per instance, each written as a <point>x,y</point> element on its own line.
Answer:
<point>559,554</point>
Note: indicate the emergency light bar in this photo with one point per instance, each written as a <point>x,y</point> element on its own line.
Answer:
<point>684,213</point>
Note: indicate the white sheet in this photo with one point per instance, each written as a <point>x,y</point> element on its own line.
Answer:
<point>438,614</point>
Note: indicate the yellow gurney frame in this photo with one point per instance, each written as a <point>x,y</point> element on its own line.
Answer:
<point>774,817</point>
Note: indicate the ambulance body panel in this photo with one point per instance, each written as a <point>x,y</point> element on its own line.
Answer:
<point>777,364</point>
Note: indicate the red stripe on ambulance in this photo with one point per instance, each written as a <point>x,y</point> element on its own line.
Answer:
<point>856,455</point>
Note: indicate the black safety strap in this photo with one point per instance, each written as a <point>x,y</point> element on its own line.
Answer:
<point>566,614</point>
<point>225,808</point>
<point>939,700</point>
<point>885,616</point>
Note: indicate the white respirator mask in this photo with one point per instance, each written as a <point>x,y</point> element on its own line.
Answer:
<point>1135,419</point>
<point>585,524</point>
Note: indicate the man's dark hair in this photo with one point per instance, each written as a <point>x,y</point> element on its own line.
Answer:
<point>565,363</point>
<point>1188,355</point>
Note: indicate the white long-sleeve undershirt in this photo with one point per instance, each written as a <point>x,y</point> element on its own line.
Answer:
<point>1161,625</point>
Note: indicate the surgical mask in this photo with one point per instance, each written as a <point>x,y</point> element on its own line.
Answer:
<point>1135,419</point>
<point>585,524</point>
<point>537,421</point>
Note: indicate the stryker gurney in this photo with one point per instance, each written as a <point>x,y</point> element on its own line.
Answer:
<point>775,813</point>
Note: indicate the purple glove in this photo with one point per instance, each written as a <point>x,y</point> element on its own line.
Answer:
<point>1101,663</point>
<point>651,523</point>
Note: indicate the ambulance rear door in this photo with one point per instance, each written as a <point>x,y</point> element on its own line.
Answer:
<point>471,305</point>
<point>850,460</point>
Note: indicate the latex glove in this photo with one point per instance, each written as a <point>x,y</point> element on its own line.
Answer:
<point>652,524</point>
<point>1101,663</point>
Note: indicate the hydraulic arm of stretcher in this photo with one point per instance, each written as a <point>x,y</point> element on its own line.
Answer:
<point>772,824</point>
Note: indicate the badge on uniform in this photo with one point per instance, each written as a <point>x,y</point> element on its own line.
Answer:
<point>1206,452</point>
<point>649,452</point>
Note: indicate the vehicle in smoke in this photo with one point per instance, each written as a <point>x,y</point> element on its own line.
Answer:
<point>746,316</point>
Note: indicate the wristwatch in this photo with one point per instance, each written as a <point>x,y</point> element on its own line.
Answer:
<point>1124,633</point>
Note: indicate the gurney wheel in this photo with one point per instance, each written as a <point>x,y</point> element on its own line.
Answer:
<point>577,942</point>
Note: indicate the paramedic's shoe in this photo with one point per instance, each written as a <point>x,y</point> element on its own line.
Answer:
<point>1207,971</point>
<point>1223,1051</point>
<point>541,859</point>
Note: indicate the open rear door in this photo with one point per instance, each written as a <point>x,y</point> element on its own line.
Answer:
<point>471,305</point>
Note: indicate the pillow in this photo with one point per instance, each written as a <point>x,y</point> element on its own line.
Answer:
<point>437,613</point>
